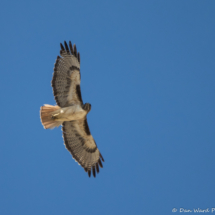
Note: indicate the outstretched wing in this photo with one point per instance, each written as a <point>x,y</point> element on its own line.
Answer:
<point>80,143</point>
<point>66,77</point>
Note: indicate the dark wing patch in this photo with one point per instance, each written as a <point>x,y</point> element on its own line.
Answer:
<point>82,146</point>
<point>86,127</point>
<point>67,76</point>
<point>78,92</point>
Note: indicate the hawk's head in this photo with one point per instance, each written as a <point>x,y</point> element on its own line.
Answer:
<point>87,107</point>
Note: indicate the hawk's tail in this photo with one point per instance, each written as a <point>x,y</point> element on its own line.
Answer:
<point>46,116</point>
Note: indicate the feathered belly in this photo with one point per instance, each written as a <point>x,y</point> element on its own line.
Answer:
<point>74,112</point>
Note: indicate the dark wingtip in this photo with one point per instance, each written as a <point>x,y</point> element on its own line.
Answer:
<point>100,163</point>
<point>89,173</point>
<point>79,57</point>
<point>101,157</point>
<point>94,171</point>
<point>66,46</point>
<point>62,48</point>
<point>71,49</point>
<point>97,167</point>
<point>75,50</point>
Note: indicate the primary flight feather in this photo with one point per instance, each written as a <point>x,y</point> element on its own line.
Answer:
<point>71,112</point>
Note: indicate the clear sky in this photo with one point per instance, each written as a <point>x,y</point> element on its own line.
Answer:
<point>148,69</point>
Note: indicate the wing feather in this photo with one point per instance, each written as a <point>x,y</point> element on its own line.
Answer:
<point>66,77</point>
<point>81,145</point>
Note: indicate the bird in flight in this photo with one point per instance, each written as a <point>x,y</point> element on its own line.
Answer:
<point>71,112</point>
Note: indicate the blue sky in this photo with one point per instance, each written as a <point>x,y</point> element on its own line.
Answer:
<point>148,69</point>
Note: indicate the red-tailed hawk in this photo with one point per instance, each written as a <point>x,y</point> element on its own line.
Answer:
<point>70,111</point>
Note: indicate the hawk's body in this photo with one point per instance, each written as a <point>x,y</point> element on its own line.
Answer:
<point>74,112</point>
<point>71,112</point>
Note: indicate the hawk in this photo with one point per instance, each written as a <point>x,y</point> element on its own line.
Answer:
<point>70,111</point>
